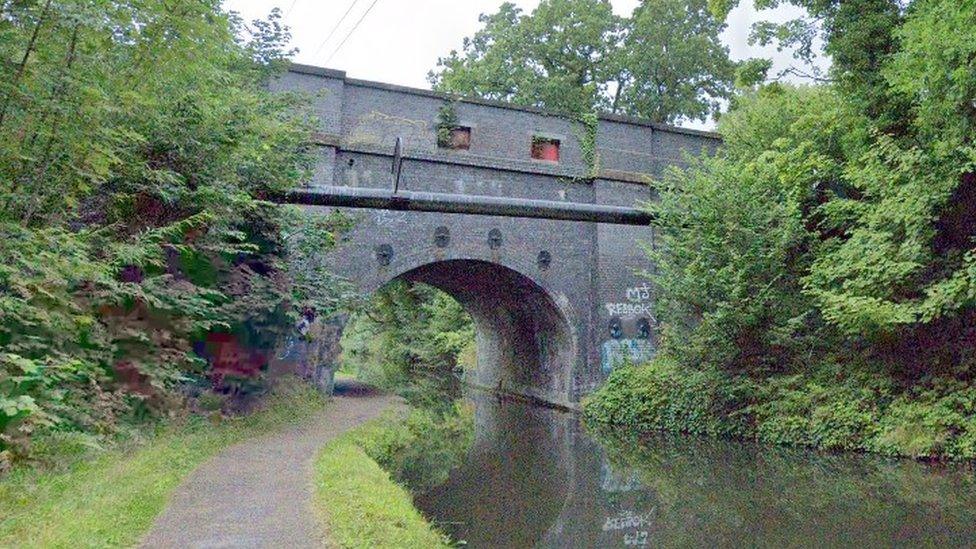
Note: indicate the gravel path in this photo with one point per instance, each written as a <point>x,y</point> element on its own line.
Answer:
<point>258,493</point>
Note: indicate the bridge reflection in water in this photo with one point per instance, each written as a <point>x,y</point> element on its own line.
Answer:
<point>534,478</point>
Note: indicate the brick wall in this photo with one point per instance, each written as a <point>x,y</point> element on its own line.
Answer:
<point>591,280</point>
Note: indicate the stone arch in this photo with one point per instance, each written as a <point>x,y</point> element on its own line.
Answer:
<point>526,345</point>
<point>533,310</point>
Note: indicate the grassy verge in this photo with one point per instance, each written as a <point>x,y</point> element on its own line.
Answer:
<point>359,502</point>
<point>111,499</point>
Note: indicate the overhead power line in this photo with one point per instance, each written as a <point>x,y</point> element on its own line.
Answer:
<point>291,7</point>
<point>336,27</point>
<point>356,26</point>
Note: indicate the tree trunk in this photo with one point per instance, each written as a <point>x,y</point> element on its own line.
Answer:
<point>23,62</point>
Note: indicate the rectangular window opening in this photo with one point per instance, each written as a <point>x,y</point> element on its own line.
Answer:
<point>457,138</point>
<point>544,148</point>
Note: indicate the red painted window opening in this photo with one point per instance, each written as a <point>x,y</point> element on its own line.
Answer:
<point>545,149</point>
<point>460,138</point>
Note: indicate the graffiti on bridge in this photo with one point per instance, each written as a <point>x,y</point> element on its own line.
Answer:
<point>616,352</point>
<point>637,303</point>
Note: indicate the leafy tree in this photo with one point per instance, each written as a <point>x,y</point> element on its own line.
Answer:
<point>672,64</point>
<point>137,141</point>
<point>556,57</point>
<point>903,272</point>
<point>665,62</point>
<point>857,35</point>
<point>408,339</point>
<point>736,230</point>
<point>880,222</point>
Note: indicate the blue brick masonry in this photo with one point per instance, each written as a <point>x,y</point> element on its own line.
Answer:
<point>547,330</point>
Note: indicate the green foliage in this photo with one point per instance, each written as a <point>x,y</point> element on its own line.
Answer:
<point>826,255</point>
<point>136,144</point>
<point>752,73</point>
<point>586,136</point>
<point>826,408</point>
<point>779,117</point>
<point>556,57</point>
<point>728,260</point>
<point>736,229</point>
<point>447,120</point>
<point>408,339</point>
<point>420,450</point>
<point>660,396</point>
<point>869,280</point>
<point>933,68</point>
<point>665,62</point>
<point>91,496</point>
<point>672,63</point>
<point>857,35</point>
<point>361,505</point>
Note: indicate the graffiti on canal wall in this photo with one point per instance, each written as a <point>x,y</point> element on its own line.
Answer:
<point>615,352</point>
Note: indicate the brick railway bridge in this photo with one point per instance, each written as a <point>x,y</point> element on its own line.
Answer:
<point>533,231</point>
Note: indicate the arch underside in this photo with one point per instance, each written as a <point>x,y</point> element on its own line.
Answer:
<point>525,344</point>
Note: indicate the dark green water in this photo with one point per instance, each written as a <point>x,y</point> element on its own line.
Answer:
<point>535,478</point>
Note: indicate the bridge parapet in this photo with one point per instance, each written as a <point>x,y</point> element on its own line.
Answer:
<point>363,117</point>
<point>578,273</point>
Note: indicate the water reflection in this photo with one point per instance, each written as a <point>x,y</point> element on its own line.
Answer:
<point>513,485</point>
<point>534,478</point>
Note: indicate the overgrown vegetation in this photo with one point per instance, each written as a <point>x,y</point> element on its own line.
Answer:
<point>817,279</point>
<point>826,407</point>
<point>99,498</point>
<point>420,450</point>
<point>447,122</point>
<point>137,145</point>
<point>365,505</point>
<point>410,339</point>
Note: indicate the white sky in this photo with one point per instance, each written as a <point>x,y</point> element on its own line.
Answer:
<point>399,41</point>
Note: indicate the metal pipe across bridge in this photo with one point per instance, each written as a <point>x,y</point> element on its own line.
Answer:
<point>414,201</point>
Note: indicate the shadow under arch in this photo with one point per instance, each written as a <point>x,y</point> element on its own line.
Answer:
<point>526,346</point>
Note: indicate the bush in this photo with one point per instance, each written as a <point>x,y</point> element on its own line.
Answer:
<point>824,409</point>
<point>736,234</point>
<point>661,396</point>
<point>137,145</point>
<point>939,420</point>
<point>409,339</point>
<point>421,450</point>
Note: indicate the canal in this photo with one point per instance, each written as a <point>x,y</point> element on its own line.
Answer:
<point>535,477</point>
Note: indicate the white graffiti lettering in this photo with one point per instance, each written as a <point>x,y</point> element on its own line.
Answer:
<point>627,519</point>
<point>388,218</point>
<point>639,294</point>
<point>638,539</point>
<point>622,309</point>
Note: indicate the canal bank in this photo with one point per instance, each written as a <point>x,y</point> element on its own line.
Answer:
<point>827,407</point>
<point>536,477</point>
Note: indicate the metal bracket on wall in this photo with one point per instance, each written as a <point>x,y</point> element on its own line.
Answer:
<point>397,166</point>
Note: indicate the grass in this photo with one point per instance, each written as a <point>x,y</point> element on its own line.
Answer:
<point>361,505</point>
<point>111,499</point>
